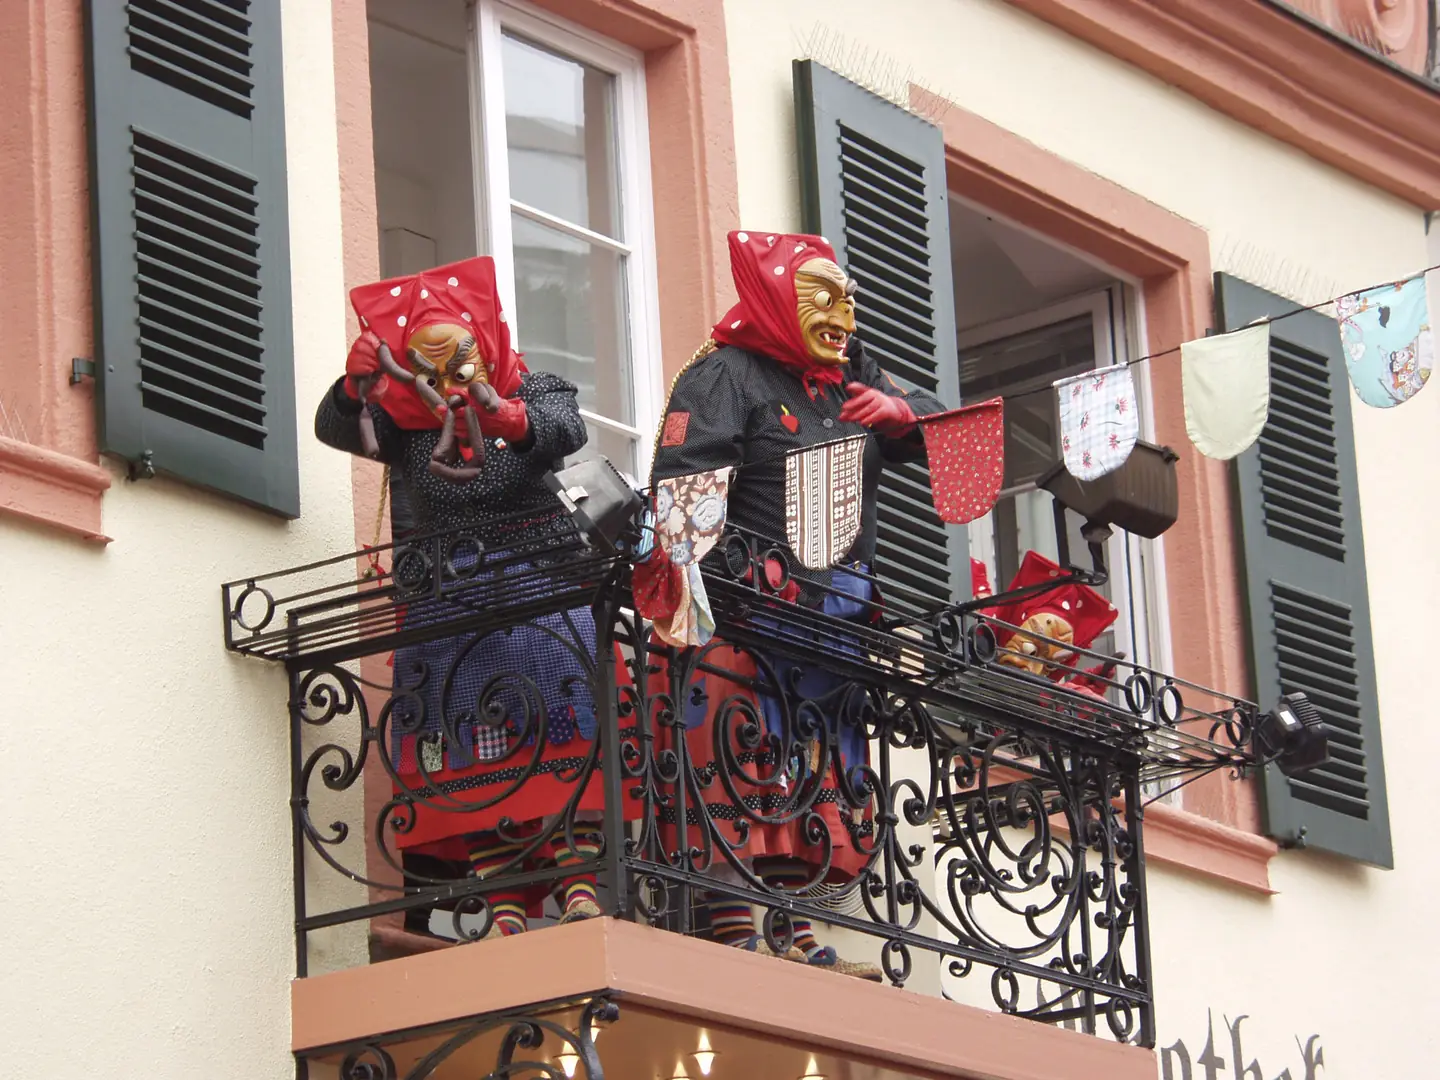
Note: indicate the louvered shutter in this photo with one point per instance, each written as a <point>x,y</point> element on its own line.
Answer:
<point>1309,609</point>
<point>195,374</point>
<point>872,182</point>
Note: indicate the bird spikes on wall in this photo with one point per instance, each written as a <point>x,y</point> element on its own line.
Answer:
<point>871,68</point>
<point>1285,277</point>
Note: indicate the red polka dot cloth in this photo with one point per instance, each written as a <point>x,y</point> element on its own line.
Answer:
<point>966,449</point>
<point>461,293</point>
<point>1098,421</point>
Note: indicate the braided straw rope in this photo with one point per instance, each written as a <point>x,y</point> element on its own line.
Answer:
<point>705,350</point>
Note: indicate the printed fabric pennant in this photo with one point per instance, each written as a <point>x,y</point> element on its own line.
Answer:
<point>1388,349</point>
<point>822,501</point>
<point>1098,421</point>
<point>1226,383</point>
<point>690,514</point>
<point>966,451</point>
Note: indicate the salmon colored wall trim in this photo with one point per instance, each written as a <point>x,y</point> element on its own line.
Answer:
<point>905,1030</point>
<point>1175,837</point>
<point>1273,71</point>
<point>693,179</point>
<point>1171,258</point>
<point>1179,838</point>
<point>360,252</point>
<point>46,306</point>
<point>53,489</point>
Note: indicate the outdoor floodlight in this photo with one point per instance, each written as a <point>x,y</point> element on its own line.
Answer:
<point>600,500</point>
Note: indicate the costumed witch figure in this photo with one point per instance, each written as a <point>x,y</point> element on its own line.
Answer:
<point>1046,628</point>
<point>782,373</point>
<point>487,734</point>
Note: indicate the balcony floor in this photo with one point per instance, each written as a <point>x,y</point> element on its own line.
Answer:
<point>764,1017</point>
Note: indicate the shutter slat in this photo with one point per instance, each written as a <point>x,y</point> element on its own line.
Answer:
<point>192,251</point>
<point>1305,580</point>
<point>158,355</point>
<point>197,48</point>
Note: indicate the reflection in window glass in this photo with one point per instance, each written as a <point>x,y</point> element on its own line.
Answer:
<point>570,303</point>
<point>424,161</point>
<point>560,136</point>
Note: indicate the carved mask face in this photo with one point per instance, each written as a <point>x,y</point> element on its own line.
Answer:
<point>825,304</point>
<point>446,356</point>
<point>1029,652</point>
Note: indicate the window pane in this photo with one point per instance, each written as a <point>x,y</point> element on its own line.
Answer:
<point>424,183</point>
<point>1027,364</point>
<point>560,133</point>
<point>619,448</point>
<point>571,315</point>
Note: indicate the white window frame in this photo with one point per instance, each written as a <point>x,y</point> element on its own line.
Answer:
<point>494,202</point>
<point>1136,565</point>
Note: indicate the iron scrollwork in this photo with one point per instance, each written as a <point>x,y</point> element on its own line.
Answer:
<point>977,820</point>
<point>523,1040</point>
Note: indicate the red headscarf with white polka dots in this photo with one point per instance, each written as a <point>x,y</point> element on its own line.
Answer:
<point>764,320</point>
<point>463,293</point>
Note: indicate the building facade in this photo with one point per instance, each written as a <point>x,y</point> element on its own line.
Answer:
<point>1026,190</point>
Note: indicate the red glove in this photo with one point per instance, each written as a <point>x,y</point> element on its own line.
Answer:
<point>362,363</point>
<point>876,409</point>
<point>500,418</point>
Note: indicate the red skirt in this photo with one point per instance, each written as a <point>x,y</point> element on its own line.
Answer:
<point>529,782</point>
<point>757,800</point>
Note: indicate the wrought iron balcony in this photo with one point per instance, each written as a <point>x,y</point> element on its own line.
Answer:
<point>998,812</point>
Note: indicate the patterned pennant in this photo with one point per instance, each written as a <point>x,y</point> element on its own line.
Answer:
<point>966,451</point>
<point>690,514</point>
<point>822,501</point>
<point>1226,381</point>
<point>1098,421</point>
<point>1388,349</point>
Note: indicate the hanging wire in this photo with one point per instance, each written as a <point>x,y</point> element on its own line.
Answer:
<point>1258,322</point>
<point>1050,389</point>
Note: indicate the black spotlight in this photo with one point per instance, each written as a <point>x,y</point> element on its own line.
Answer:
<point>600,500</point>
<point>1293,735</point>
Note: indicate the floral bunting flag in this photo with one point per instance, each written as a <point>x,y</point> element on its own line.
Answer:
<point>1098,421</point>
<point>1226,383</point>
<point>1388,348</point>
<point>690,514</point>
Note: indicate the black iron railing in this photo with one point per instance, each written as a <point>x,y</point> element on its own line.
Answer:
<point>993,821</point>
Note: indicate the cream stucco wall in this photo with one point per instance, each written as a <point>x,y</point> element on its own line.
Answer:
<point>1339,951</point>
<point>145,850</point>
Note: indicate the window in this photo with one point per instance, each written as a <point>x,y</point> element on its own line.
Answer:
<point>1019,358</point>
<point>500,129</point>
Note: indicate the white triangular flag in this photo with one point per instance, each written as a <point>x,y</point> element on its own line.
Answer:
<point>1226,382</point>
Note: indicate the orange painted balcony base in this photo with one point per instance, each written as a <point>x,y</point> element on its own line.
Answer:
<point>764,1016</point>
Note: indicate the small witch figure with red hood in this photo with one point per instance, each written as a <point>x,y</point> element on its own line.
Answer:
<point>781,373</point>
<point>1045,629</point>
<point>434,390</point>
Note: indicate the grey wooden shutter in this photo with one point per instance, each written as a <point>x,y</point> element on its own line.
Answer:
<point>872,182</point>
<point>1309,609</point>
<point>195,375</point>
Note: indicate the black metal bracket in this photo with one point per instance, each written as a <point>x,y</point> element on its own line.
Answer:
<point>143,467</point>
<point>1096,536</point>
<point>80,370</point>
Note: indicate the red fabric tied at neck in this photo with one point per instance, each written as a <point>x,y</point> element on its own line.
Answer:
<point>464,294</point>
<point>765,320</point>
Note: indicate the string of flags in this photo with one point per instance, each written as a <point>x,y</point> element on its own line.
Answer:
<point>1225,381</point>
